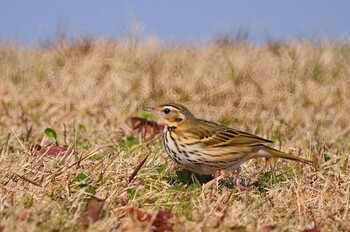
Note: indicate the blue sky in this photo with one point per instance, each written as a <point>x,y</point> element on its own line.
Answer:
<point>30,21</point>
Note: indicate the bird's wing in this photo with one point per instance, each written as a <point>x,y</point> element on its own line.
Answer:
<point>214,135</point>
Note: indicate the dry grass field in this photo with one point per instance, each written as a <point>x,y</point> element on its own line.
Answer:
<point>296,93</point>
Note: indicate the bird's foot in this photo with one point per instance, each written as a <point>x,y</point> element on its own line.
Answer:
<point>215,181</point>
<point>241,188</point>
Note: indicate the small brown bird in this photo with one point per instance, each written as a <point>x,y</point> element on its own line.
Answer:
<point>205,147</point>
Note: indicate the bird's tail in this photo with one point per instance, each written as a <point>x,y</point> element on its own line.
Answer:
<point>270,152</point>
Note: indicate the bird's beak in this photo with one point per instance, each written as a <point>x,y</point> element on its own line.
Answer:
<point>149,109</point>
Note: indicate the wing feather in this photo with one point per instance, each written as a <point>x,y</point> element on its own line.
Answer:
<point>215,135</point>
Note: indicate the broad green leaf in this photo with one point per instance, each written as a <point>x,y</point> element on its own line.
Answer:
<point>49,132</point>
<point>81,177</point>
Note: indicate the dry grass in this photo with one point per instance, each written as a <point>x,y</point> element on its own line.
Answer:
<point>297,94</point>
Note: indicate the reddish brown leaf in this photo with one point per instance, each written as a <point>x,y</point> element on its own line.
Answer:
<point>314,229</point>
<point>53,150</point>
<point>92,212</point>
<point>148,129</point>
<point>268,228</point>
<point>160,223</point>
<point>141,216</point>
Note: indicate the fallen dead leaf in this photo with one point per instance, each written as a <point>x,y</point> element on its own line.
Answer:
<point>268,228</point>
<point>314,229</point>
<point>160,223</point>
<point>92,212</point>
<point>53,150</point>
<point>148,129</point>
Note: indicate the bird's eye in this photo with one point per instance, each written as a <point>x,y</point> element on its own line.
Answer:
<point>166,111</point>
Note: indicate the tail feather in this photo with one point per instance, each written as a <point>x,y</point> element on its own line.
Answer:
<point>270,152</point>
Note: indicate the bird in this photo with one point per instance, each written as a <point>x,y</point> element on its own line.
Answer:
<point>205,147</point>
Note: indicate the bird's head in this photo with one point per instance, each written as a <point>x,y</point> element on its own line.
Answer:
<point>173,115</point>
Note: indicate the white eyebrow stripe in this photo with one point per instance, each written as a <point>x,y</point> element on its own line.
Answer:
<point>171,107</point>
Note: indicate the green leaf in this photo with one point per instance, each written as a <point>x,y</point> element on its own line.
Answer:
<point>103,155</point>
<point>176,188</point>
<point>132,192</point>
<point>193,186</point>
<point>49,132</point>
<point>91,190</point>
<point>183,175</point>
<point>81,127</point>
<point>147,115</point>
<point>80,177</point>
<point>27,201</point>
<point>83,144</point>
<point>327,157</point>
<point>130,141</point>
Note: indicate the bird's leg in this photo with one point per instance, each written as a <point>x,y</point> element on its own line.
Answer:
<point>218,176</point>
<point>241,187</point>
<point>194,179</point>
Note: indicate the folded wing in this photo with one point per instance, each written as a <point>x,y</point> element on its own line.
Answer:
<point>214,135</point>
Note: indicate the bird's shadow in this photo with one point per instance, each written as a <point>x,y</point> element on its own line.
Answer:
<point>189,178</point>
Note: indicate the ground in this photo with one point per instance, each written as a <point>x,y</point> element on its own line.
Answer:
<point>85,96</point>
